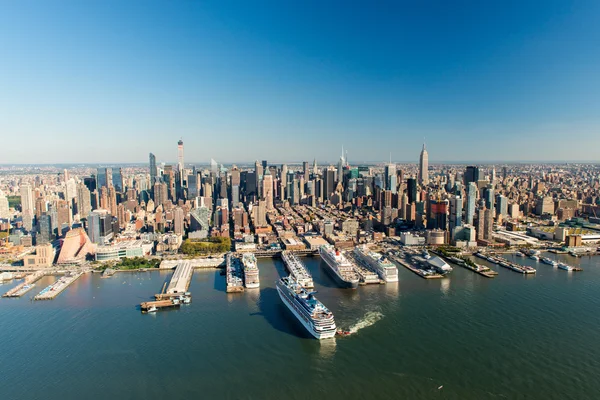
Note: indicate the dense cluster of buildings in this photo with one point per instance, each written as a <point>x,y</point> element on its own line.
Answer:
<point>110,212</point>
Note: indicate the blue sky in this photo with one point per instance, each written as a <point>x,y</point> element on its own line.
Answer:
<point>84,81</point>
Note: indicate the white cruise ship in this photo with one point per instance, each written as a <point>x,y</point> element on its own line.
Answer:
<point>340,269</point>
<point>297,269</point>
<point>378,263</point>
<point>311,313</point>
<point>251,279</point>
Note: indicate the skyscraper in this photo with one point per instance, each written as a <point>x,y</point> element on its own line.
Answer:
<point>424,167</point>
<point>180,163</point>
<point>411,188</point>
<point>153,170</point>
<point>117,179</point>
<point>27,206</point>
<point>471,175</point>
<point>390,177</point>
<point>471,200</point>
<point>340,168</point>
<point>456,206</point>
<point>283,181</point>
<point>101,178</point>
<point>258,170</point>
<point>501,205</point>
<point>178,216</point>
<point>306,171</point>
<point>488,196</point>
<point>268,189</point>
<point>45,234</point>
<point>84,201</point>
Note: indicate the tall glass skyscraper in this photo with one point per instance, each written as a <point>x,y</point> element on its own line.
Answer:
<point>456,205</point>
<point>471,175</point>
<point>117,179</point>
<point>153,170</point>
<point>471,199</point>
<point>411,186</point>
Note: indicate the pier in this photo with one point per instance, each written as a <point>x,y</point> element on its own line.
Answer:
<point>180,281</point>
<point>151,306</point>
<point>522,269</point>
<point>50,292</point>
<point>235,282</point>
<point>25,286</point>
<point>470,265</point>
<point>366,274</point>
<point>297,269</point>
<point>422,273</point>
<point>477,268</point>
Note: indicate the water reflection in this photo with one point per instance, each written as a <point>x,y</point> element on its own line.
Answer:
<point>445,286</point>
<point>392,289</point>
<point>252,297</point>
<point>327,348</point>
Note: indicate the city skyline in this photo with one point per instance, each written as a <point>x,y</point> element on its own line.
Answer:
<point>480,82</point>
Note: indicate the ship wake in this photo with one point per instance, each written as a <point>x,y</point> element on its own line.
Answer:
<point>369,319</point>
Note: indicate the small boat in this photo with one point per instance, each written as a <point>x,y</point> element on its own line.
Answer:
<point>342,332</point>
<point>519,254</point>
<point>151,309</point>
<point>535,258</point>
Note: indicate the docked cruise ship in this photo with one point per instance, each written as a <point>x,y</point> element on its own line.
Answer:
<point>339,267</point>
<point>251,279</point>
<point>378,263</point>
<point>297,269</point>
<point>311,313</point>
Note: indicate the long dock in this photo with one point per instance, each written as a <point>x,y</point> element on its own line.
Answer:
<point>50,292</point>
<point>25,286</point>
<point>235,282</point>
<point>422,273</point>
<point>180,281</point>
<point>478,268</point>
<point>297,269</point>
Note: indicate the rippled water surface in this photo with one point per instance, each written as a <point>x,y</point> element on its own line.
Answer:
<point>512,337</point>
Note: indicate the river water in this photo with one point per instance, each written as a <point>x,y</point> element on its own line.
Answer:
<point>462,337</point>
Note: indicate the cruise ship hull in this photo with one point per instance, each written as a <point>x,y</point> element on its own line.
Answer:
<point>316,334</point>
<point>338,279</point>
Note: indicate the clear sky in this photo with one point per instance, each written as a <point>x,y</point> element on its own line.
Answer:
<point>111,81</point>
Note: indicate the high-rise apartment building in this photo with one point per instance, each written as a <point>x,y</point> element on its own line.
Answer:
<point>471,202</point>
<point>456,208</point>
<point>178,220</point>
